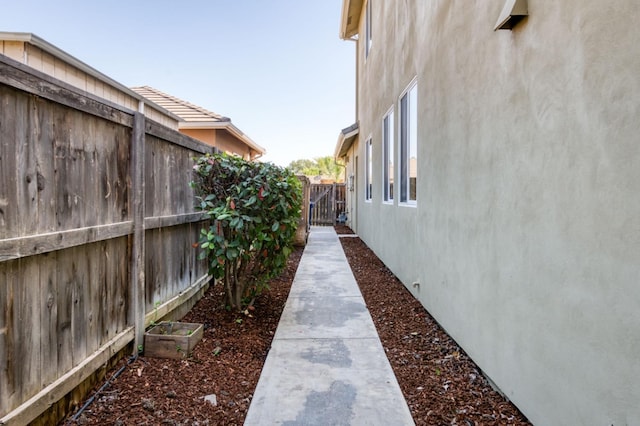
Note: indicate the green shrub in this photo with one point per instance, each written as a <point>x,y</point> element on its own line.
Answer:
<point>254,209</point>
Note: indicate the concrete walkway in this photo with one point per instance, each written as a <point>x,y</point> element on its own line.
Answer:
<point>326,365</point>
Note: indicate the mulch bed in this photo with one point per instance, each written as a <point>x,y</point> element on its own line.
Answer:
<point>441,384</point>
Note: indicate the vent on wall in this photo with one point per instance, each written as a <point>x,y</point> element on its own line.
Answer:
<point>512,13</point>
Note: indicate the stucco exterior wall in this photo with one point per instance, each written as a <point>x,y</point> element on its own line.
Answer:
<point>221,139</point>
<point>525,240</point>
<point>228,143</point>
<point>207,136</point>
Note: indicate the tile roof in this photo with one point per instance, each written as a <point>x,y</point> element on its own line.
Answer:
<point>187,111</point>
<point>193,116</point>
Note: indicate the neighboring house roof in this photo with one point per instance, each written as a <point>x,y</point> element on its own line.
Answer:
<point>345,140</point>
<point>351,11</point>
<point>63,56</point>
<point>194,116</point>
<point>183,109</point>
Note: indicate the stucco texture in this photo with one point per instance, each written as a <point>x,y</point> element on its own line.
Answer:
<point>525,240</point>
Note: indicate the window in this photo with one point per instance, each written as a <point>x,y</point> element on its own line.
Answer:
<point>387,157</point>
<point>368,178</point>
<point>367,30</point>
<point>409,145</point>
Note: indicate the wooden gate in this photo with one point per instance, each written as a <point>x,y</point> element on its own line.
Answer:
<point>327,203</point>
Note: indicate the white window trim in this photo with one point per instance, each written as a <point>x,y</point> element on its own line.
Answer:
<point>408,203</point>
<point>386,177</point>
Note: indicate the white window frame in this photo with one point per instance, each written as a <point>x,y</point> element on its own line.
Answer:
<point>388,156</point>
<point>367,29</point>
<point>368,170</point>
<point>408,143</point>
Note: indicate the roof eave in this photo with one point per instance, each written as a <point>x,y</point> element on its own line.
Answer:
<point>350,20</point>
<point>224,125</point>
<point>345,139</point>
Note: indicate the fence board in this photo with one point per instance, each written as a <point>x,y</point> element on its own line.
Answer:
<point>6,344</point>
<point>49,318</point>
<point>65,304</point>
<point>93,311</point>
<point>23,326</point>
<point>43,131</point>
<point>159,131</point>
<point>13,248</point>
<point>14,110</point>
<point>25,161</point>
<point>173,220</point>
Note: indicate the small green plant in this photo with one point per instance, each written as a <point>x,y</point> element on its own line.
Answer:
<point>254,210</point>
<point>155,313</point>
<point>140,349</point>
<point>238,320</point>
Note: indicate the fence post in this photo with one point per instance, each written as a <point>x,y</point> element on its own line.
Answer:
<point>302,232</point>
<point>137,285</point>
<point>333,204</point>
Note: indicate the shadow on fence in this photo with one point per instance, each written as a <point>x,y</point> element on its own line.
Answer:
<point>97,223</point>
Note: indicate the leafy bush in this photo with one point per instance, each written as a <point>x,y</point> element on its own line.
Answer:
<point>254,209</point>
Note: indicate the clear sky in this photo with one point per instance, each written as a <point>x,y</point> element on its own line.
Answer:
<point>277,68</point>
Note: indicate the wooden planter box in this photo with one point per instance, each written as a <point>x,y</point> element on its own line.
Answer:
<point>172,339</point>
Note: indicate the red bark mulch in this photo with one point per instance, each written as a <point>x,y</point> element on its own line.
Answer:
<point>441,384</point>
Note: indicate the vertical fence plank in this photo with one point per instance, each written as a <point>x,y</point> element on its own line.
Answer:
<point>79,293</point>
<point>4,338</point>
<point>137,295</point>
<point>44,137</point>
<point>65,302</point>
<point>13,116</point>
<point>26,328</point>
<point>11,377</point>
<point>49,318</point>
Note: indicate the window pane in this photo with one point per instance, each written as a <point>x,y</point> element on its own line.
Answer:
<point>404,122</point>
<point>387,165</point>
<point>409,146</point>
<point>413,143</point>
<point>368,171</point>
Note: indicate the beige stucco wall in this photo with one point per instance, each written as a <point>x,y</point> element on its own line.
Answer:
<point>207,136</point>
<point>526,236</point>
<point>228,143</point>
<point>222,140</point>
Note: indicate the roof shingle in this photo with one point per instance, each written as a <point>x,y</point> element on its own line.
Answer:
<point>187,111</point>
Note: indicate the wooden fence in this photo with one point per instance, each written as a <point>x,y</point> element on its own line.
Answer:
<point>328,203</point>
<point>97,223</point>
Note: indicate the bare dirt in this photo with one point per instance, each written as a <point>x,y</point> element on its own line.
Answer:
<point>440,382</point>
